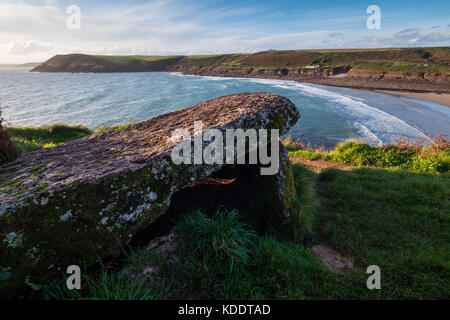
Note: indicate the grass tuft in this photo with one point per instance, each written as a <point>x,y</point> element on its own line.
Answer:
<point>304,206</point>
<point>219,238</point>
<point>106,286</point>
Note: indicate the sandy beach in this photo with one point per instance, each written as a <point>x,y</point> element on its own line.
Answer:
<point>442,98</point>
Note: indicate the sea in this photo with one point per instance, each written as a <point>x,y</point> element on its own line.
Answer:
<point>329,115</point>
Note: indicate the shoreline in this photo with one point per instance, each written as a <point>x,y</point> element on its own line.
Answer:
<point>435,92</point>
<point>442,98</point>
<point>430,95</point>
<point>439,98</point>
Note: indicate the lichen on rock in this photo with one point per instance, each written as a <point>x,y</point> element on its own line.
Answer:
<point>85,199</point>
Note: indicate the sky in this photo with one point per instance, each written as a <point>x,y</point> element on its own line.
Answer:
<point>34,31</point>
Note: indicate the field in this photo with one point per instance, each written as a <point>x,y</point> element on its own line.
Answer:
<point>356,206</point>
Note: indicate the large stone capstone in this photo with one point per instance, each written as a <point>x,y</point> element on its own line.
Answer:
<point>75,202</point>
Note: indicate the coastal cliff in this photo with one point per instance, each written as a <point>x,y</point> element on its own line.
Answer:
<point>375,81</point>
<point>414,69</point>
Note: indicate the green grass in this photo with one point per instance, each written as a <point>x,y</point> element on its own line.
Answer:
<point>434,158</point>
<point>407,61</point>
<point>30,139</point>
<point>33,138</point>
<point>304,207</point>
<point>128,59</point>
<point>220,238</point>
<point>396,219</point>
<point>389,209</point>
<point>106,286</point>
<point>116,127</point>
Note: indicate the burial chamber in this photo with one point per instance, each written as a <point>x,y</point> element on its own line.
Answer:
<point>90,197</point>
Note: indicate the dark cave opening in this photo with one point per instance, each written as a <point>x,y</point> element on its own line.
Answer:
<point>234,187</point>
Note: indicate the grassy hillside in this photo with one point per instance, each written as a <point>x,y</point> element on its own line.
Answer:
<point>97,63</point>
<point>406,61</point>
<point>363,60</point>
<point>395,219</point>
<point>387,206</point>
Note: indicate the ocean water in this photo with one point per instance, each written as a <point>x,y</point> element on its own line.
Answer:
<point>328,114</point>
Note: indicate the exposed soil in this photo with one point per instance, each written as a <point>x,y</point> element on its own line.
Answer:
<point>319,165</point>
<point>165,246</point>
<point>331,258</point>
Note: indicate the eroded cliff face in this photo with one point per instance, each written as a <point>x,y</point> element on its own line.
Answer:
<point>85,199</point>
<point>341,76</point>
<point>423,69</point>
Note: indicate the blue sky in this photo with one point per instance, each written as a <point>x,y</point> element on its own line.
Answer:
<point>36,30</point>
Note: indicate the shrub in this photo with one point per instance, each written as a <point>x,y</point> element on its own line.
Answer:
<point>8,151</point>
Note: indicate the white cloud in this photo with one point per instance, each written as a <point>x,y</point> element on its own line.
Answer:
<point>402,38</point>
<point>25,47</point>
<point>335,34</point>
<point>30,32</point>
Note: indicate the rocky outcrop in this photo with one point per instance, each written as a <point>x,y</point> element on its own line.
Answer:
<point>85,199</point>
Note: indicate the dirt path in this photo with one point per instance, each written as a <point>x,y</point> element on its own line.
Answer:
<point>326,254</point>
<point>331,258</point>
<point>319,165</point>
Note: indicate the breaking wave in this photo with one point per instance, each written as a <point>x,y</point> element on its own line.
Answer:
<point>371,124</point>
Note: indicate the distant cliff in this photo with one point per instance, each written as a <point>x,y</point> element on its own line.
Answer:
<point>21,65</point>
<point>90,63</point>
<point>417,69</point>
